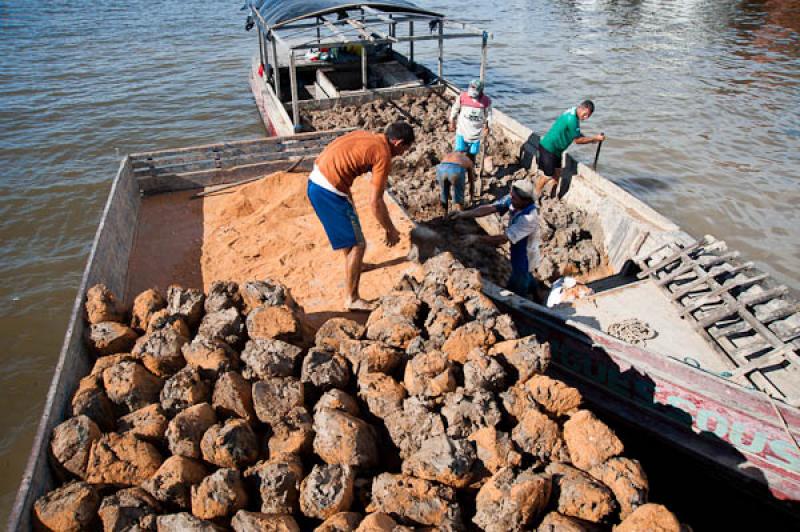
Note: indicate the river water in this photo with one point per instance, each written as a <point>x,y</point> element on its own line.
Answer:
<point>699,99</point>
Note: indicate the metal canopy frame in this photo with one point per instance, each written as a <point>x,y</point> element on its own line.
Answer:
<point>357,25</point>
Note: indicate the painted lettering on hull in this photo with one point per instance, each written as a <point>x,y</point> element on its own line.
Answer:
<point>706,418</point>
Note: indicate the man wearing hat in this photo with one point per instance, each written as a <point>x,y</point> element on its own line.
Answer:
<point>469,117</point>
<point>522,232</point>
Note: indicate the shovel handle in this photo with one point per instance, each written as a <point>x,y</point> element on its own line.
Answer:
<point>597,153</point>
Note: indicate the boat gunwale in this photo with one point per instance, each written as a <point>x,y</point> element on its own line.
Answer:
<point>22,509</point>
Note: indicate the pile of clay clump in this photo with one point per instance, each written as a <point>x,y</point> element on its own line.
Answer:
<point>222,411</point>
<point>413,179</point>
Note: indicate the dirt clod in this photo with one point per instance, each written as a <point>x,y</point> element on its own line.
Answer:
<point>171,484</point>
<point>589,440</point>
<point>121,460</point>
<point>232,444</point>
<point>220,494</point>
<point>327,490</point>
<point>71,507</point>
<point>102,305</point>
<point>71,442</point>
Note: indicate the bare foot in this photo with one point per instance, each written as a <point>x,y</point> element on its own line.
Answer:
<point>358,305</point>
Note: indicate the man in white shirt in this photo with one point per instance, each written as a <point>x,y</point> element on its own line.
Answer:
<point>469,118</point>
<point>522,232</point>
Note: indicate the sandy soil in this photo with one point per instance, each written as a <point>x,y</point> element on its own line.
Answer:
<point>268,229</point>
<point>258,230</point>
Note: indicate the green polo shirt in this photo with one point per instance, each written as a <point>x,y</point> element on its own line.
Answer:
<point>566,129</point>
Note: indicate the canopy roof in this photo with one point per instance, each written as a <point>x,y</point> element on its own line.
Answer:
<point>277,13</point>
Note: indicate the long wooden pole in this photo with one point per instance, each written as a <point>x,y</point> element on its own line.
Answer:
<point>364,66</point>
<point>441,52</point>
<point>277,67</point>
<point>484,55</point>
<point>293,82</point>
<point>411,42</point>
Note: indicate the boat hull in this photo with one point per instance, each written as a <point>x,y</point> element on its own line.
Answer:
<point>739,430</point>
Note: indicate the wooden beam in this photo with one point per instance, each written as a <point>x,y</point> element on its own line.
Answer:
<point>441,51</point>
<point>293,82</point>
<point>689,287</point>
<point>360,29</point>
<point>378,14</point>
<point>715,294</point>
<point>411,42</point>
<point>669,260</point>
<point>484,56</point>
<point>364,79</point>
<point>334,30</point>
<point>277,66</point>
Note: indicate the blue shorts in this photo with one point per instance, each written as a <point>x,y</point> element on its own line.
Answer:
<point>337,215</point>
<point>470,147</point>
<point>451,174</point>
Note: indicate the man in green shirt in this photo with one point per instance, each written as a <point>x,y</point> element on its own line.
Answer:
<point>566,129</point>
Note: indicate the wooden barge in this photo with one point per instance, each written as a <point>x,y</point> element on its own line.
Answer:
<point>720,379</point>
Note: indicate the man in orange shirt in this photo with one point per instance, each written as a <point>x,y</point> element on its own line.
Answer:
<point>339,164</point>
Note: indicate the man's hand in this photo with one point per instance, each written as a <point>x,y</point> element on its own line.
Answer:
<point>599,138</point>
<point>392,237</point>
<point>452,126</point>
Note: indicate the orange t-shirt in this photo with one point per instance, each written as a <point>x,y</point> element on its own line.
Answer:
<point>354,154</point>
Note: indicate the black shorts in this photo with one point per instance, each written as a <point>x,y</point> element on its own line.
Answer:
<point>547,162</point>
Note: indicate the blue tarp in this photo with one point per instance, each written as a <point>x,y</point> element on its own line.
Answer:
<point>279,12</point>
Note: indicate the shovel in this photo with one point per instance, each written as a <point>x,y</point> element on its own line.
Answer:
<point>484,162</point>
<point>597,153</point>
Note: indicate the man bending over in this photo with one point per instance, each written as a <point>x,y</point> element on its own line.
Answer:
<point>339,164</point>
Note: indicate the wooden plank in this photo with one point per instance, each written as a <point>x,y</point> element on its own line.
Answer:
<point>240,143</point>
<point>224,152</point>
<point>746,301</point>
<point>334,30</point>
<point>713,260</point>
<point>773,358</point>
<point>670,259</point>
<point>195,180</point>
<point>715,294</point>
<point>293,84</point>
<point>689,287</point>
<point>361,29</point>
<point>226,161</point>
<point>779,314</point>
<point>277,62</point>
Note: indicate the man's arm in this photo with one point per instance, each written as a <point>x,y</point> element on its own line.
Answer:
<point>454,113</point>
<point>380,176</point>
<point>590,140</point>
<point>477,212</point>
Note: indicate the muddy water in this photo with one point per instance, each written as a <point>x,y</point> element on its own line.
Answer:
<point>699,100</point>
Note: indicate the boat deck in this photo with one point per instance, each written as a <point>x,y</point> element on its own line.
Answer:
<point>675,337</point>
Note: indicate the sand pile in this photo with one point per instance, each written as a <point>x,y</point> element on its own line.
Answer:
<point>413,175</point>
<point>246,235</point>
<point>223,410</point>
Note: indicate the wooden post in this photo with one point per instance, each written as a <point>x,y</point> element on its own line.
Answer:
<point>293,82</point>
<point>277,67</point>
<point>411,43</point>
<point>319,38</point>
<point>441,52</point>
<point>484,55</point>
<point>260,46</point>
<point>364,66</point>
<point>392,32</point>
